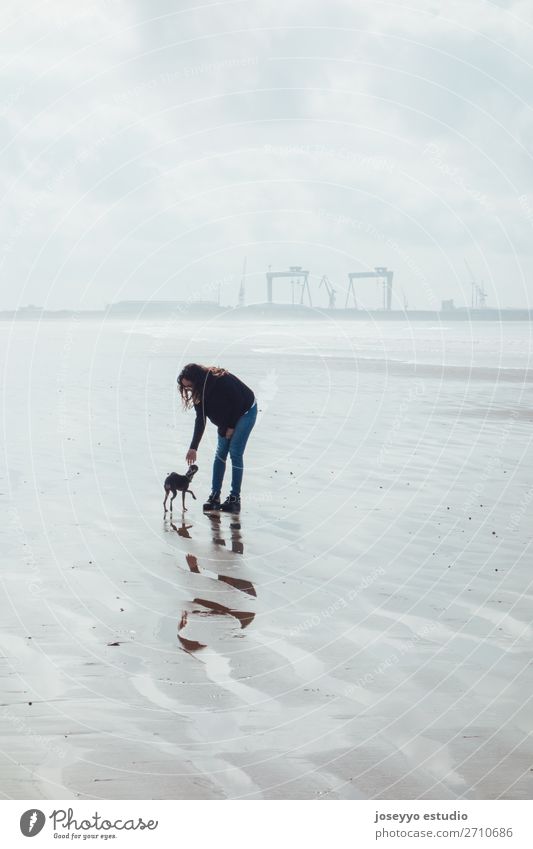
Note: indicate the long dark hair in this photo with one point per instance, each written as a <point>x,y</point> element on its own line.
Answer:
<point>197,375</point>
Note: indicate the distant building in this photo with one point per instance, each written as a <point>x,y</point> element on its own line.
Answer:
<point>31,308</point>
<point>160,307</point>
<point>447,305</point>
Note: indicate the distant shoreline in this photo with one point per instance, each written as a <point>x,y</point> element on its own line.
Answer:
<point>298,312</point>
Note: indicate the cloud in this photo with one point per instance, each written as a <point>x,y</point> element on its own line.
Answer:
<point>148,149</point>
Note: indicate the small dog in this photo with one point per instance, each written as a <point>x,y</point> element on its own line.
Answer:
<point>175,482</point>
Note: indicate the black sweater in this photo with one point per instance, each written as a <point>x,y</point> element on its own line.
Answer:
<point>223,400</point>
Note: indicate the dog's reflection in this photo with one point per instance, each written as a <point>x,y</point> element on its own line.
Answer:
<point>209,607</point>
<point>182,530</point>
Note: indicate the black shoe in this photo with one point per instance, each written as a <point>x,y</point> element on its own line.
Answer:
<point>232,504</point>
<point>213,502</point>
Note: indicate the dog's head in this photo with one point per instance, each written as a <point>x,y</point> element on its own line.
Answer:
<point>191,471</point>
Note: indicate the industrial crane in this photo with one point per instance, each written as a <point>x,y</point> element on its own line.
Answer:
<point>473,285</point>
<point>299,277</point>
<point>479,296</point>
<point>330,290</point>
<point>382,274</point>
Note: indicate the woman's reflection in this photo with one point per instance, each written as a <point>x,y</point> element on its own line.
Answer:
<point>210,607</point>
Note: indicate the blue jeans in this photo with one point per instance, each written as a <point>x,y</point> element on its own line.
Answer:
<point>235,446</point>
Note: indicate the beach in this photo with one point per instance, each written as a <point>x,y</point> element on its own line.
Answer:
<point>362,629</point>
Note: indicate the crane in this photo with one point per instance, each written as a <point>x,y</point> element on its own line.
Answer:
<point>299,277</point>
<point>382,274</point>
<point>481,296</point>
<point>473,285</point>
<point>330,290</point>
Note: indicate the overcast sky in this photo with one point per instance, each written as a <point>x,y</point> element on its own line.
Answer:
<point>148,146</point>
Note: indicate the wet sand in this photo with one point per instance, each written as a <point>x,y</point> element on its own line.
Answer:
<point>362,630</point>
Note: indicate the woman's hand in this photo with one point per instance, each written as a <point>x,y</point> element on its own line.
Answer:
<point>230,432</point>
<point>191,456</point>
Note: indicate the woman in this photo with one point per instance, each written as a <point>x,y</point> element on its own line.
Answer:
<point>230,404</point>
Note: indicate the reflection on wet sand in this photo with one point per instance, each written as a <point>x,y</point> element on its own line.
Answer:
<point>183,529</point>
<point>209,606</point>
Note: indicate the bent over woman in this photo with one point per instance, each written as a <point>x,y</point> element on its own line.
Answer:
<point>221,397</point>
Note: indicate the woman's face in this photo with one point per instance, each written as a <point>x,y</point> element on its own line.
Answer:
<point>186,383</point>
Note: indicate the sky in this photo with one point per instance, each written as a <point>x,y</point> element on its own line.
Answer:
<point>147,147</point>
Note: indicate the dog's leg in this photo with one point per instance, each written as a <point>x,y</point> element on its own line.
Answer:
<point>192,493</point>
<point>172,501</point>
<point>165,501</point>
<point>183,500</point>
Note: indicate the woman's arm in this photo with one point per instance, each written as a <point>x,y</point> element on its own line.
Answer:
<point>199,426</point>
